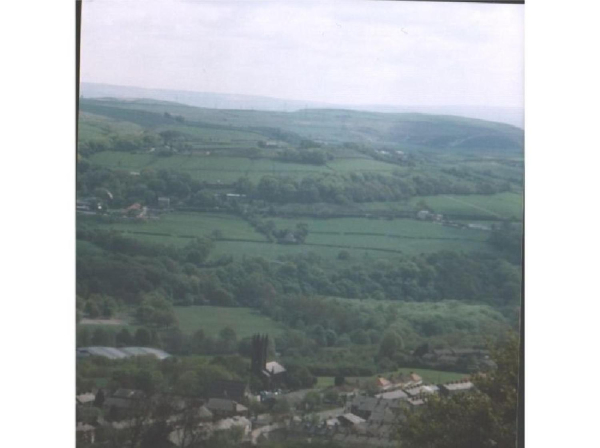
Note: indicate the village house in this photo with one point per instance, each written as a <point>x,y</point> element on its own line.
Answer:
<point>86,399</point>
<point>383,384</point>
<point>416,391</point>
<point>456,387</point>
<point>393,395</point>
<point>136,211</point>
<point>349,419</point>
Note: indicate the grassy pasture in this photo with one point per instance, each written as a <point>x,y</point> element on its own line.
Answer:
<point>382,227</point>
<point>499,206</point>
<point>352,165</point>
<point>207,134</point>
<point>180,226</point>
<point>212,319</point>
<point>359,236</point>
<point>211,168</point>
<point>92,126</point>
<point>405,235</point>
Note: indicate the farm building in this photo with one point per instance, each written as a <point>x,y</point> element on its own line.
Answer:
<point>120,353</point>
<point>85,399</point>
<point>393,395</point>
<point>457,387</point>
<point>417,391</point>
<point>350,419</point>
<point>382,383</point>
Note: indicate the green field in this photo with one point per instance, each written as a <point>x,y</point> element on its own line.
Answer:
<point>179,228</point>
<point>212,319</point>
<point>209,168</point>
<point>499,206</point>
<point>92,126</point>
<point>376,238</point>
<point>382,235</point>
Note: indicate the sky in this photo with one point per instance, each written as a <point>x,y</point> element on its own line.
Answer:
<point>339,52</point>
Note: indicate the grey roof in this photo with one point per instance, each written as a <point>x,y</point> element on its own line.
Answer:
<point>85,398</point>
<point>120,353</point>
<point>463,385</point>
<point>204,412</point>
<point>393,395</point>
<point>274,367</point>
<point>354,419</point>
<point>422,389</point>
<point>416,401</point>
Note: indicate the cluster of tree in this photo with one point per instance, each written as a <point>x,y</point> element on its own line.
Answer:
<point>269,229</point>
<point>367,187</point>
<point>163,142</point>
<point>96,306</point>
<point>305,156</point>
<point>170,339</point>
<point>120,189</point>
<point>156,312</point>
<point>131,270</point>
<point>142,337</point>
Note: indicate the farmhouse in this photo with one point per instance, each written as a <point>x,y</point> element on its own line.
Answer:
<point>457,387</point>
<point>350,419</point>
<point>417,391</point>
<point>85,399</point>
<point>393,395</point>
<point>382,383</point>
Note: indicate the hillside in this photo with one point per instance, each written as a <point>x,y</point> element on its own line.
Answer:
<point>509,115</point>
<point>403,131</point>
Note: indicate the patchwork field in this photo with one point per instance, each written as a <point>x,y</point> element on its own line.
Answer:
<point>398,235</point>
<point>184,226</point>
<point>208,168</point>
<point>361,237</point>
<point>500,206</point>
<point>212,319</point>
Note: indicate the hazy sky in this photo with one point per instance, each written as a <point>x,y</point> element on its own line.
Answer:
<point>344,52</point>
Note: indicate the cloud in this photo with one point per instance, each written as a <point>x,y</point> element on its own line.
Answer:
<point>402,53</point>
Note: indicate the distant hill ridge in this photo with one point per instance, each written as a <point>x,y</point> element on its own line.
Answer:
<point>401,130</point>
<point>513,116</point>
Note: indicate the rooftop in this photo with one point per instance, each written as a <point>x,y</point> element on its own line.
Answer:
<point>274,367</point>
<point>120,353</point>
